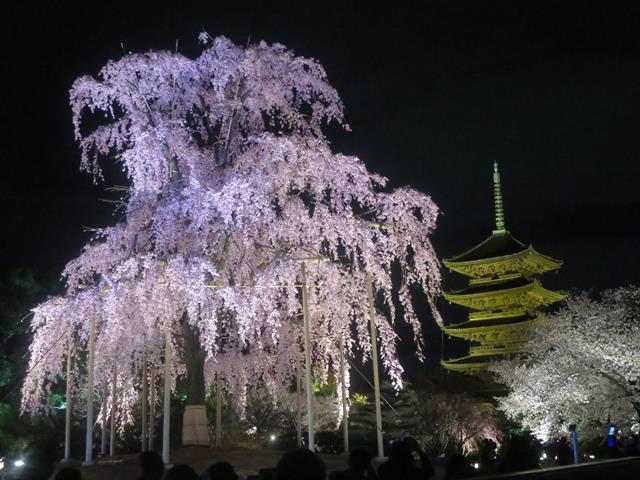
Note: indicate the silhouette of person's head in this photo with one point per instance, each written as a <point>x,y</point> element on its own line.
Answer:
<point>360,459</point>
<point>521,454</point>
<point>68,474</point>
<point>298,464</point>
<point>151,466</point>
<point>181,472</point>
<point>221,471</point>
<point>487,451</point>
<point>400,453</point>
<point>40,462</point>
<point>458,467</point>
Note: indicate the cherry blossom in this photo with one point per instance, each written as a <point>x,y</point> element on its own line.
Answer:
<point>233,185</point>
<point>582,367</point>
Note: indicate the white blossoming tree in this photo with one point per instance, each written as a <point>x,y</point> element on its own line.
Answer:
<point>234,198</point>
<point>581,366</point>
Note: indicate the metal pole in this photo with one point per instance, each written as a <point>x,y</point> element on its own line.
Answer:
<point>166,420</point>
<point>103,420</point>
<point>152,408</point>
<point>143,427</point>
<point>307,353</point>
<point>88,453</point>
<point>67,417</point>
<point>299,405</point>
<point>343,395</point>
<point>374,359</point>
<point>218,413</point>
<point>114,402</point>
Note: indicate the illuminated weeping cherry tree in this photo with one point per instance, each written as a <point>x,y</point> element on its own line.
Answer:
<point>239,223</point>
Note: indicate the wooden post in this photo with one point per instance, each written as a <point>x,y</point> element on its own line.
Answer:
<point>88,452</point>
<point>152,407</point>
<point>299,405</point>
<point>374,359</point>
<point>103,419</point>
<point>307,353</point>
<point>343,397</point>
<point>166,421</point>
<point>143,427</point>
<point>114,402</point>
<point>218,438</point>
<point>67,416</point>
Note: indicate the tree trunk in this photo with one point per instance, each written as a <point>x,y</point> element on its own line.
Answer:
<point>195,429</point>
<point>194,356</point>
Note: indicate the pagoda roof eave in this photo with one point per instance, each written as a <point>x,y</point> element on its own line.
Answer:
<point>465,298</point>
<point>496,241</point>
<point>464,367</point>
<point>459,266</point>
<point>474,362</point>
<point>462,329</point>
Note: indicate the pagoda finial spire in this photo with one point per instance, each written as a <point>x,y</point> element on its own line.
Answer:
<point>497,197</point>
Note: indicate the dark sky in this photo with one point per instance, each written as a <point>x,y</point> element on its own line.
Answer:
<point>434,95</point>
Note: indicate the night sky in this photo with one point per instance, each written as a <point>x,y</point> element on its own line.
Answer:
<point>434,95</point>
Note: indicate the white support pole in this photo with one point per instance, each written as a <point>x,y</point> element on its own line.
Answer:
<point>343,397</point>
<point>307,354</point>
<point>374,359</point>
<point>88,453</point>
<point>67,417</point>
<point>218,412</point>
<point>152,408</point>
<point>103,420</point>
<point>166,423</point>
<point>114,402</point>
<point>299,405</point>
<point>143,426</point>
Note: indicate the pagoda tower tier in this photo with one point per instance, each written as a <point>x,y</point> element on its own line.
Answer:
<point>504,296</point>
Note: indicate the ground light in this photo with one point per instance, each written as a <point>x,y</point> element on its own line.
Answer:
<point>19,463</point>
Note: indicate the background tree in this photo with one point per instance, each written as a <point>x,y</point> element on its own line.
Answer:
<point>20,289</point>
<point>444,419</point>
<point>455,423</point>
<point>581,366</point>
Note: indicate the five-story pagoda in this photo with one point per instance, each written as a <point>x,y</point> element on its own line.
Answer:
<point>503,297</point>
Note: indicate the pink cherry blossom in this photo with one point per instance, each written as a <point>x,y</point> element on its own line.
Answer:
<point>232,184</point>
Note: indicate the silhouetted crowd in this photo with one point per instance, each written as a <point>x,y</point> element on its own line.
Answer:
<point>406,461</point>
<point>297,464</point>
<point>294,465</point>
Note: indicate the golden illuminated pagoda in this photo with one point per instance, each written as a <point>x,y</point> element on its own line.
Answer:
<point>503,297</point>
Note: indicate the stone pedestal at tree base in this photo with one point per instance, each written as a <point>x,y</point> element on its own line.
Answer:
<point>195,427</point>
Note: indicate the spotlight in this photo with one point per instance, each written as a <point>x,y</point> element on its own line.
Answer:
<point>19,463</point>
